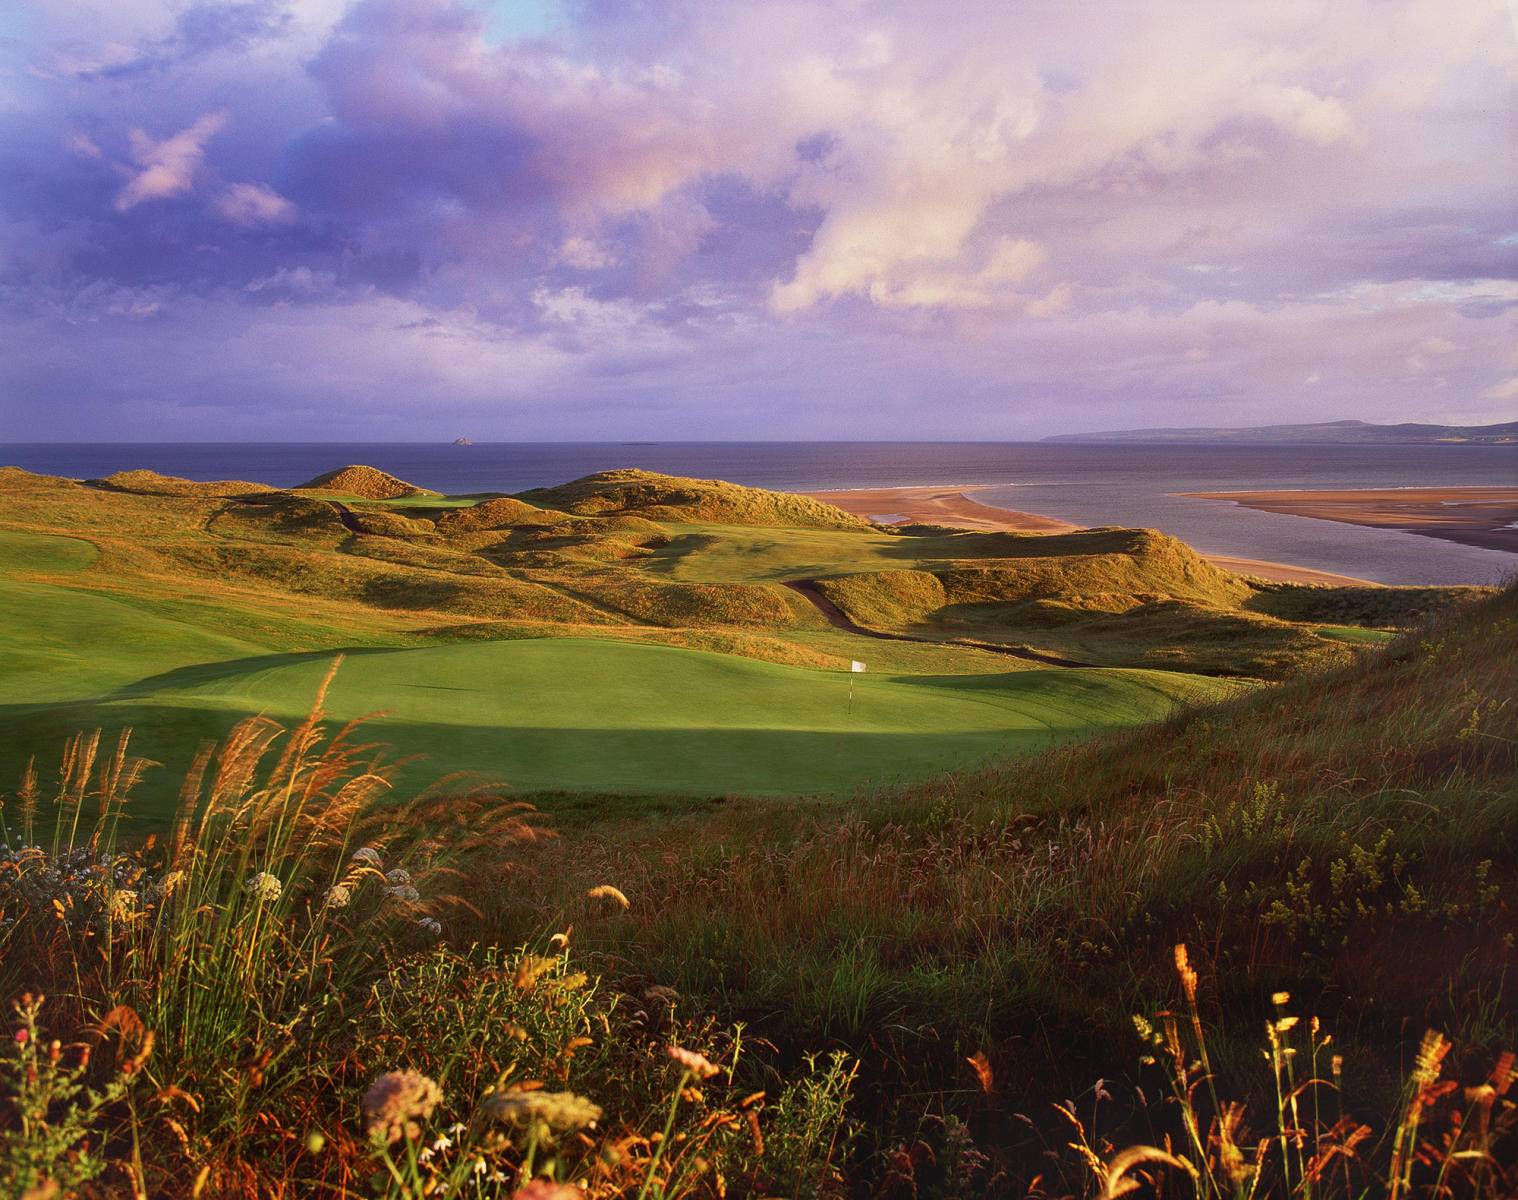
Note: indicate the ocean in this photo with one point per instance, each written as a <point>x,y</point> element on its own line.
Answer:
<point>1089,485</point>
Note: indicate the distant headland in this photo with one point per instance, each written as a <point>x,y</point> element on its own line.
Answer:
<point>1355,432</point>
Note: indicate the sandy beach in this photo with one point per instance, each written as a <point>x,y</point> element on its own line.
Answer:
<point>938,506</point>
<point>1474,516</point>
<point>954,506</point>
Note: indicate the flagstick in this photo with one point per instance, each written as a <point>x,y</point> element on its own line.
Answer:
<point>851,693</point>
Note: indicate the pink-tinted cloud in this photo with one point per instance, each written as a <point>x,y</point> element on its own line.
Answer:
<point>167,168</point>
<point>1009,217</point>
<point>254,204</point>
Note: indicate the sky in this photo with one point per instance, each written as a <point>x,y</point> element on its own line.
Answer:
<point>415,220</point>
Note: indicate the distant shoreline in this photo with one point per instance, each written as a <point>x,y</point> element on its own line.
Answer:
<point>1486,517</point>
<point>952,506</point>
<point>1322,433</point>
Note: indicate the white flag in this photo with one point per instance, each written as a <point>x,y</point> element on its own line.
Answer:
<point>856,666</point>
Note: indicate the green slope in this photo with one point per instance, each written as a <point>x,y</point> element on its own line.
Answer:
<point>579,714</point>
<point>59,643</point>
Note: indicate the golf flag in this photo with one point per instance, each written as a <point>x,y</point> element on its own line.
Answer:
<point>856,666</point>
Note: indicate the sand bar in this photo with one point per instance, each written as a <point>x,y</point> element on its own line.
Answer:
<point>953,506</point>
<point>938,506</point>
<point>1473,516</point>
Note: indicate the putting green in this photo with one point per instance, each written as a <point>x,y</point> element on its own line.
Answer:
<point>62,643</point>
<point>579,714</point>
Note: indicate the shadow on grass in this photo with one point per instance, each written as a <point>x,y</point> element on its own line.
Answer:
<point>690,763</point>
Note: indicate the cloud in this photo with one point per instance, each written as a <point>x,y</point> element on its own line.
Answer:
<point>730,210</point>
<point>254,204</point>
<point>166,169</point>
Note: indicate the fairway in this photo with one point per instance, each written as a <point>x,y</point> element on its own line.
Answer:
<point>580,714</point>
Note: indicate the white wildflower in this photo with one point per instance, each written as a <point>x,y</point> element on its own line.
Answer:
<point>264,886</point>
<point>398,877</point>
<point>369,855</point>
<point>431,925</point>
<point>338,896</point>
<point>406,894</point>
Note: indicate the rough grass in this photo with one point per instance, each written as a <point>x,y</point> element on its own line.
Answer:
<point>1155,604</point>
<point>151,483</point>
<point>1350,839</point>
<point>368,483</point>
<point>1373,607</point>
<point>672,498</point>
<point>500,512</point>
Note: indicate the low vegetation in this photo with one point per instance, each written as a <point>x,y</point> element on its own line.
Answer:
<point>277,966</point>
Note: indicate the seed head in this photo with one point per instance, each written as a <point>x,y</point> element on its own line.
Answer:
<point>123,904</point>
<point>696,1063</point>
<point>264,886</point>
<point>395,1101</point>
<point>560,1111</point>
<point>606,891</point>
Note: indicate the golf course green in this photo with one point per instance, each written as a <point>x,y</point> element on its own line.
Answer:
<point>581,714</point>
<point>634,641</point>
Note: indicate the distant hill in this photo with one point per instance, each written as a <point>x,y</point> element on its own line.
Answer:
<point>1360,432</point>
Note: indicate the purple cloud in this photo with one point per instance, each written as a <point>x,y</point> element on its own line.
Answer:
<point>727,218</point>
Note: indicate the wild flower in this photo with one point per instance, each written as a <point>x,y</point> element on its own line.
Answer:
<point>396,1101</point>
<point>338,896</point>
<point>399,877</point>
<point>264,886</point>
<point>430,925</point>
<point>543,1189</point>
<point>560,1111</point>
<point>696,1063</point>
<point>367,855</point>
<point>406,894</point>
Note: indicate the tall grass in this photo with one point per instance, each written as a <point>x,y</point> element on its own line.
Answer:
<point>296,1008</point>
<point>1348,838</point>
